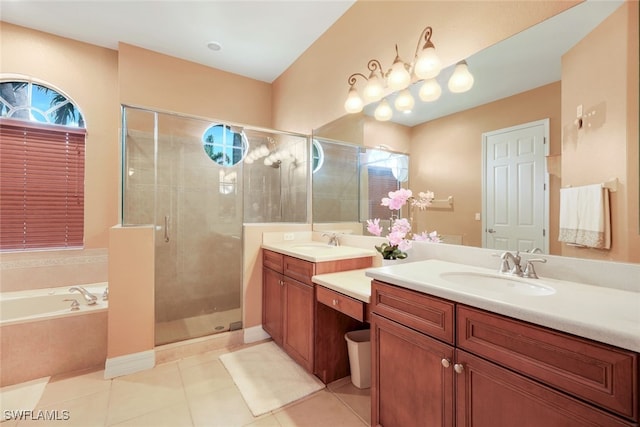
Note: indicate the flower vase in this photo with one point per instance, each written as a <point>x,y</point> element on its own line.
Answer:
<point>391,262</point>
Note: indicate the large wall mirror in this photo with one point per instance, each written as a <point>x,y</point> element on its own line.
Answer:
<point>352,179</point>
<point>544,74</point>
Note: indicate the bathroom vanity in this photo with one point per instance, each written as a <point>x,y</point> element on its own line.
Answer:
<point>312,336</point>
<point>439,358</point>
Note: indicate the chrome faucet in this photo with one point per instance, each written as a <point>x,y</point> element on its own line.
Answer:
<point>333,238</point>
<point>529,271</point>
<point>505,268</point>
<point>535,251</point>
<point>89,297</point>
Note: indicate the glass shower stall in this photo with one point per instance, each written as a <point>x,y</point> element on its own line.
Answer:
<point>198,181</point>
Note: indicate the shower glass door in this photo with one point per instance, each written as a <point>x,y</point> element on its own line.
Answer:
<point>180,176</point>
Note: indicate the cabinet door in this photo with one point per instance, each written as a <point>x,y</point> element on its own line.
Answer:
<point>490,396</point>
<point>298,322</point>
<point>272,299</point>
<point>411,386</point>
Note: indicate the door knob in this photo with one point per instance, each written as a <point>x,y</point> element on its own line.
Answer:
<point>491,230</point>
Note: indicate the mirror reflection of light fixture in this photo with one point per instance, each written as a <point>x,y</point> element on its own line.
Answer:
<point>425,66</point>
<point>461,80</point>
<point>404,101</point>
<point>430,90</point>
<point>383,111</point>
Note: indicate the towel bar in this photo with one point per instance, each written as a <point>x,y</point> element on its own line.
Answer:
<point>612,185</point>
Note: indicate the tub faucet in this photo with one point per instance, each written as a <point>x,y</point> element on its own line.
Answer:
<point>505,268</point>
<point>89,297</point>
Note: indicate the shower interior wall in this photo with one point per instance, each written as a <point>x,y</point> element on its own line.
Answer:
<point>199,271</point>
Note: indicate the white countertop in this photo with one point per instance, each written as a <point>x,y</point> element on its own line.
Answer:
<point>603,314</point>
<point>315,251</point>
<point>353,283</point>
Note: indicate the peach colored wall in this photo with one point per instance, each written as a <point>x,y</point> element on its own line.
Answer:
<point>131,290</point>
<point>162,82</point>
<point>311,92</point>
<point>598,151</point>
<point>89,76</point>
<point>446,158</point>
<point>252,270</point>
<point>392,135</point>
<point>633,132</point>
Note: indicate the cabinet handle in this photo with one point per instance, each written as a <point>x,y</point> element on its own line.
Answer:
<point>335,302</point>
<point>446,363</point>
<point>458,367</point>
<point>281,282</point>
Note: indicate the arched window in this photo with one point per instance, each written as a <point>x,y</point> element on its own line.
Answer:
<point>42,147</point>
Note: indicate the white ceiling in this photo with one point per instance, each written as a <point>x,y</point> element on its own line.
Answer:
<point>259,39</point>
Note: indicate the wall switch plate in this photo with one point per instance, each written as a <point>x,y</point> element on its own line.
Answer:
<point>289,236</point>
<point>579,111</point>
<point>477,216</point>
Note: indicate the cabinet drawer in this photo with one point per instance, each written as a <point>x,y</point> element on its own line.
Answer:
<point>427,314</point>
<point>299,269</point>
<point>601,374</point>
<point>343,303</point>
<point>272,260</point>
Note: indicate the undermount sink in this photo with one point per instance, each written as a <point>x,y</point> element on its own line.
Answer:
<point>312,246</point>
<point>499,283</point>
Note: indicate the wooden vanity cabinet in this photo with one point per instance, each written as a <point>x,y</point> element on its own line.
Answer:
<point>289,301</point>
<point>493,371</point>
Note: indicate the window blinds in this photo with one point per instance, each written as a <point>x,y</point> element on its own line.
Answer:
<point>41,186</point>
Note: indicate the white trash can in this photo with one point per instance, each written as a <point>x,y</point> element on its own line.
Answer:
<point>359,348</point>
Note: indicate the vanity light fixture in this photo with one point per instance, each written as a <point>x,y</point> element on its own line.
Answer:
<point>383,111</point>
<point>461,80</point>
<point>425,66</point>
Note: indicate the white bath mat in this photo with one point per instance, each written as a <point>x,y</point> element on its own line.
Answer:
<point>21,397</point>
<point>268,378</point>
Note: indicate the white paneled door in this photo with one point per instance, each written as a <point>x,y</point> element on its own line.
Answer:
<point>515,202</point>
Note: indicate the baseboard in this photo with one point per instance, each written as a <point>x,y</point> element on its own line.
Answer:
<point>255,333</point>
<point>129,363</point>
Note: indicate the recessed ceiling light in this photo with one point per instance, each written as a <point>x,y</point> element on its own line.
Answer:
<point>215,46</point>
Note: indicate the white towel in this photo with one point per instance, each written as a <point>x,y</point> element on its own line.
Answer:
<point>585,217</point>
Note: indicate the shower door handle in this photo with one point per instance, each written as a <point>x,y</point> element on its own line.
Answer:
<point>166,229</point>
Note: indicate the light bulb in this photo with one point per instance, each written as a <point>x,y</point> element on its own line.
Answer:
<point>399,78</point>
<point>430,90</point>
<point>428,64</point>
<point>383,111</point>
<point>461,80</point>
<point>354,103</point>
<point>373,91</point>
<point>404,101</point>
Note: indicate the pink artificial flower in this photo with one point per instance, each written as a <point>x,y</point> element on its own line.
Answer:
<point>423,200</point>
<point>404,245</point>
<point>427,237</point>
<point>401,225</point>
<point>373,227</point>
<point>395,237</point>
<point>396,199</point>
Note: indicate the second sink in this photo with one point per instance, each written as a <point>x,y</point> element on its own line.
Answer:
<point>495,282</point>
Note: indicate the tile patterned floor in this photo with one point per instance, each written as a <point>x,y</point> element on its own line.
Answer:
<point>191,392</point>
